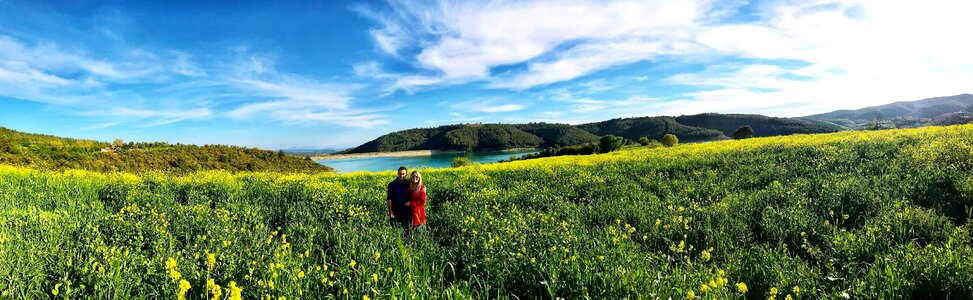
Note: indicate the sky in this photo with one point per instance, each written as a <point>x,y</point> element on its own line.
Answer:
<point>335,74</point>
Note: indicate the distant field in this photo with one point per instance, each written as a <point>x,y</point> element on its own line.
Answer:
<point>873,215</point>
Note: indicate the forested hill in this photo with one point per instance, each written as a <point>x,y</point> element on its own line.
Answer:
<point>479,137</point>
<point>651,127</point>
<point>57,153</point>
<point>703,127</point>
<point>694,128</point>
<point>762,125</point>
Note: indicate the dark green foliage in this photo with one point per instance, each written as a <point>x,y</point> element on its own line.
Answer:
<point>56,153</point>
<point>761,125</point>
<point>744,132</point>
<point>644,141</point>
<point>583,149</point>
<point>559,134</point>
<point>610,143</point>
<point>669,140</point>
<point>652,127</point>
<point>468,137</point>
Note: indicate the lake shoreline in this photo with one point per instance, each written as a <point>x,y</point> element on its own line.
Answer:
<point>410,153</point>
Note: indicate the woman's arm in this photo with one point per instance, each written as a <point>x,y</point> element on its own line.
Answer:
<point>422,197</point>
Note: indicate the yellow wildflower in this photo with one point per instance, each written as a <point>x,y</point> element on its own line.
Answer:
<point>365,297</point>
<point>352,263</point>
<point>742,287</point>
<point>235,291</point>
<point>210,259</point>
<point>214,289</point>
<point>796,290</point>
<point>184,286</point>
<point>171,265</point>
<point>690,294</point>
<point>374,277</point>
<point>378,255</point>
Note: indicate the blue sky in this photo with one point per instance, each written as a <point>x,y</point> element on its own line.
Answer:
<point>281,74</point>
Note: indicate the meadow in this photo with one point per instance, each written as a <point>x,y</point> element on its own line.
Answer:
<point>857,214</point>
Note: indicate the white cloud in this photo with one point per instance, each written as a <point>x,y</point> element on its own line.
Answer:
<point>294,99</point>
<point>463,40</point>
<point>850,54</point>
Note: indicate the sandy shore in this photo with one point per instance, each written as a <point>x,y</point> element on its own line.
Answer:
<point>399,154</point>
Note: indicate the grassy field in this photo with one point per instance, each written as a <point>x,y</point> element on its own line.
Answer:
<point>874,215</point>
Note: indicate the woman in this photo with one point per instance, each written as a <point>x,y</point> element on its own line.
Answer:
<point>418,200</point>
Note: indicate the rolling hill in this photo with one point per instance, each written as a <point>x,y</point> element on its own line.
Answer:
<point>905,114</point>
<point>693,128</point>
<point>762,125</point>
<point>58,153</point>
<point>652,127</point>
<point>478,137</point>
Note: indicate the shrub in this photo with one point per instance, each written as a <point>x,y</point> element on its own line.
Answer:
<point>461,161</point>
<point>669,140</point>
<point>744,132</point>
<point>611,143</point>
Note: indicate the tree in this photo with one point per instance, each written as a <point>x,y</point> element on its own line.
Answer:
<point>875,124</point>
<point>669,140</point>
<point>611,143</point>
<point>461,161</point>
<point>280,154</point>
<point>644,141</point>
<point>117,143</point>
<point>744,132</point>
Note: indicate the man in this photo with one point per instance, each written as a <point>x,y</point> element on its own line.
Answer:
<point>397,196</point>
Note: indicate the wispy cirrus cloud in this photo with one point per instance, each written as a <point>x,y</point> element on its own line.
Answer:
<point>557,40</point>
<point>294,99</point>
<point>173,87</point>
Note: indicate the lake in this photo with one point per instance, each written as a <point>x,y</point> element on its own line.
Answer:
<point>436,160</point>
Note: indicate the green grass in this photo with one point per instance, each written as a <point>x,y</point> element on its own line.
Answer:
<point>873,215</point>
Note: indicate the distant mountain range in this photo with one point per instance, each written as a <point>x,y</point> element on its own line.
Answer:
<point>939,111</point>
<point>690,128</point>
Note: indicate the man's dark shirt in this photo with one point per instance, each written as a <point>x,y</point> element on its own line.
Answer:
<point>398,191</point>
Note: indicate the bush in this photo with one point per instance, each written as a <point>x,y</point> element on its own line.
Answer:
<point>744,132</point>
<point>461,161</point>
<point>644,141</point>
<point>611,143</point>
<point>669,140</point>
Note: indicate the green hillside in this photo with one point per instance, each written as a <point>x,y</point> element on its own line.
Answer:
<point>478,137</point>
<point>850,215</point>
<point>57,153</point>
<point>652,127</point>
<point>762,125</point>
<point>695,128</point>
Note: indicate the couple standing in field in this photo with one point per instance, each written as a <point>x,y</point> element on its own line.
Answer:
<point>406,199</point>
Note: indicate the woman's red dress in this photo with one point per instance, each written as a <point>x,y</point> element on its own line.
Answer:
<point>418,203</point>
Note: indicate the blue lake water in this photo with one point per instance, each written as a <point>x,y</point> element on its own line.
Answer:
<point>436,160</point>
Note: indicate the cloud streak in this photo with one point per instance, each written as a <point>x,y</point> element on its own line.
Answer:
<point>464,40</point>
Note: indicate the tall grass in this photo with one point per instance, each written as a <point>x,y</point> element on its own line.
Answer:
<point>879,215</point>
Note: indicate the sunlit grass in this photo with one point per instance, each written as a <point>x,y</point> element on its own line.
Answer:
<point>882,214</point>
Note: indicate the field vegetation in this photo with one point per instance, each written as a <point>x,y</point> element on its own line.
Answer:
<point>861,215</point>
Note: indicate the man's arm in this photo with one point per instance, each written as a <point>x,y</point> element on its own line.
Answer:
<point>388,200</point>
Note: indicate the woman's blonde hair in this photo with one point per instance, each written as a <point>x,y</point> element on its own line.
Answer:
<point>415,186</point>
